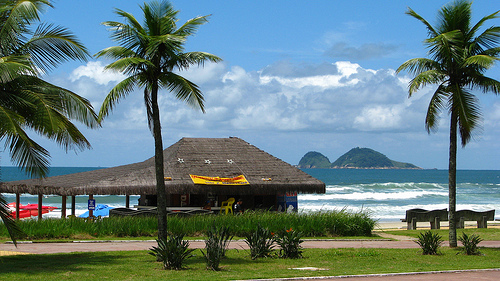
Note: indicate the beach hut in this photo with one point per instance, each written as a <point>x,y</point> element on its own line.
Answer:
<point>197,171</point>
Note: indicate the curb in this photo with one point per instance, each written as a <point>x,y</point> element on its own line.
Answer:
<point>373,275</point>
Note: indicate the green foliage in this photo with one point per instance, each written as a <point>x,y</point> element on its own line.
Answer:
<point>216,244</point>
<point>260,241</point>
<point>362,158</point>
<point>429,242</point>
<point>314,224</point>
<point>135,265</point>
<point>314,159</point>
<point>289,241</point>
<point>470,243</point>
<point>172,252</point>
<point>27,102</point>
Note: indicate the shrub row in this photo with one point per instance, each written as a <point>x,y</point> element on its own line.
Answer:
<point>315,224</point>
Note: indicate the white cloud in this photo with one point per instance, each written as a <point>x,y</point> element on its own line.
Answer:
<point>379,118</point>
<point>95,71</point>
<point>326,97</point>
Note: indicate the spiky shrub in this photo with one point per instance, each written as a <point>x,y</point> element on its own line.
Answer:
<point>470,243</point>
<point>217,242</point>
<point>289,241</point>
<point>429,242</point>
<point>261,242</point>
<point>173,251</point>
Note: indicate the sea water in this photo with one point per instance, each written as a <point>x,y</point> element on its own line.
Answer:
<point>386,194</point>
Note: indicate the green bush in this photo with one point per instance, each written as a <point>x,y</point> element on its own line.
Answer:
<point>289,241</point>
<point>429,242</point>
<point>313,224</point>
<point>470,244</point>
<point>172,252</point>
<point>216,244</point>
<point>261,242</point>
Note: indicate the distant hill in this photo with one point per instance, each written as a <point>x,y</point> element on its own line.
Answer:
<point>314,159</point>
<point>356,158</point>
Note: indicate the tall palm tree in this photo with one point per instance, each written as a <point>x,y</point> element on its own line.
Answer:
<point>29,102</point>
<point>459,57</point>
<point>149,54</point>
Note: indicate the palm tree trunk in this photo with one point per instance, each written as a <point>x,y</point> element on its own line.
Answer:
<point>452,181</point>
<point>161,191</point>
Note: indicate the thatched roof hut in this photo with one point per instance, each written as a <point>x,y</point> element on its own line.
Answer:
<point>212,157</point>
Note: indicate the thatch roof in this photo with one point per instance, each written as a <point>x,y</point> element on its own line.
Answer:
<point>222,157</point>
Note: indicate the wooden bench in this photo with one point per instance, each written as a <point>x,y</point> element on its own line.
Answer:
<point>434,217</point>
<point>481,218</point>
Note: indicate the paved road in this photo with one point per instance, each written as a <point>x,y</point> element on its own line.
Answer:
<point>50,248</point>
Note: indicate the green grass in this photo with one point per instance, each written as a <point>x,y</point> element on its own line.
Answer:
<point>138,265</point>
<point>487,234</point>
<point>317,224</point>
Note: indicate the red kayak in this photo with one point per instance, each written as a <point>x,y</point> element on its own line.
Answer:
<point>26,211</point>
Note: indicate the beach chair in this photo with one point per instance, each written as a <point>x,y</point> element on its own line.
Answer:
<point>227,206</point>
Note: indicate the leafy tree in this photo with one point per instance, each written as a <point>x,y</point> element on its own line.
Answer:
<point>459,56</point>
<point>27,102</point>
<point>150,54</point>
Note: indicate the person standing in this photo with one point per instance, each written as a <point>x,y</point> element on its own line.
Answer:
<point>237,207</point>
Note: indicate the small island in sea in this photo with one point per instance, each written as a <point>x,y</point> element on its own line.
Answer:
<point>356,158</point>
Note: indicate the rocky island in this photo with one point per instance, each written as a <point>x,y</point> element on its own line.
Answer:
<point>356,158</point>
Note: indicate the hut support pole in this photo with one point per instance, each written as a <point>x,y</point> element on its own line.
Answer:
<point>127,201</point>
<point>73,205</point>
<point>18,203</point>
<point>63,207</point>
<point>40,197</point>
<point>91,212</point>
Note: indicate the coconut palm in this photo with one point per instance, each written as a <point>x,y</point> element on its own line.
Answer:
<point>27,102</point>
<point>150,54</point>
<point>459,56</point>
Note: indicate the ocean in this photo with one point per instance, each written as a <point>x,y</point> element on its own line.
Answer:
<point>386,194</point>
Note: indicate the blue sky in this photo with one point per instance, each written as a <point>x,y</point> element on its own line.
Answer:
<point>297,76</point>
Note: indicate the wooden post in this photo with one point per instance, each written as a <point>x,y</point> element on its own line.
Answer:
<point>18,203</point>
<point>73,205</point>
<point>63,207</point>
<point>40,197</point>
<point>127,201</point>
<point>91,212</point>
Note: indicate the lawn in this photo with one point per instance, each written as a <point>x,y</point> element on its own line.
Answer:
<point>487,234</point>
<point>138,265</point>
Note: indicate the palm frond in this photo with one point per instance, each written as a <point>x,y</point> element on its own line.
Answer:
<point>121,90</point>
<point>185,60</point>
<point>17,15</point>
<point>466,106</point>
<point>14,230</point>
<point>485,84</point>
<point>436,105</point>
<point>487,40</point>
<point>12,67</point>
<point>184,90</point>
<point>480,61</point>
<point>116,52</point>
<point>480,23</point>
<point>425,78</point>
<point>51,45</point>
<point>129,65</point>
<point>191,26</point>
<point>432,32</point>
<point>418,65</point>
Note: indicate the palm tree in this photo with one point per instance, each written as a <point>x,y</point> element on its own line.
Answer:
<point>459,57</point>
<point>29,102</point>
<point>149,54</point>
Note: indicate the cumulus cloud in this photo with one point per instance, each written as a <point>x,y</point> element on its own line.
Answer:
<point>285,96</point>
<point>95,71</point>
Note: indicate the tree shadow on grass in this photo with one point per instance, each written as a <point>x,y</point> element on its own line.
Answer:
<point>54,263</point>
